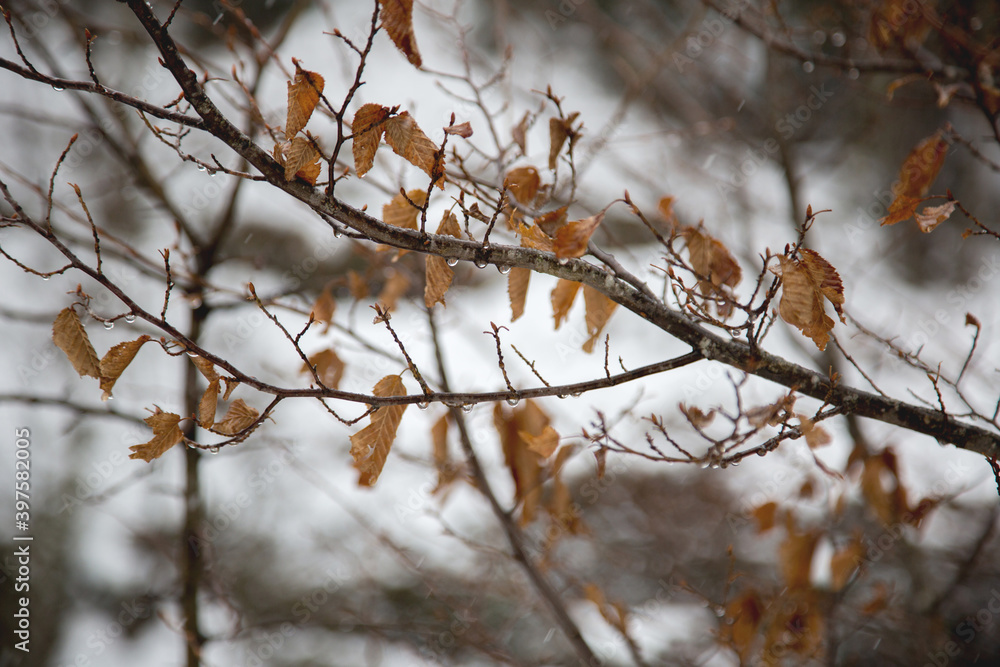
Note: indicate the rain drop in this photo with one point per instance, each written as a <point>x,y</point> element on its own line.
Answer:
<point>58,89</point>
<point>213,450</point>
<point>838,39</point>
<point>480,263</point>
<point>337,233</point>
<point>451,261</point>
<point>467,408</point>
<point>761,452</point>
<point>45,277</point>
<point>577,394</point>
<point>503,269</point>
<point>561,396</point>
<point>819,37</point>
<point>202,167</point>
<point>130,318</point>
<point>808,66</point>
<point>564,261</point>
<point>423,405</point>
<point>109,325</point>
<point>513,401</point>
<point>853,73</point>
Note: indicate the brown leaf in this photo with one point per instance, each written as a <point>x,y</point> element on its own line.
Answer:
<point>397,19</point>
<point>525,465</point>
<point>356,285</point>
<point>370,446</point>
<point>166,434</point>
<point>408,141</point>
<point>765,515</point>
<point>302,160</point>
<point>932,216</point>
<point>329,367</point>
<point>463,130</point>
<point>743,616</point>
<point>697,418</point>
<point>368,126</point>
<point>231,386</point>
<point>519,133</point>
<point>446,469</point>
<point>438,275</point>
<point>771,414</point>
<point>804,285</point>
<point>599,311</point>
<point>845,563</point>
<point>395,286</point>
<point>795,555</point>
<point>613,614</point>
<point>916,176</point>
<point>303,95</point>
<point>324,307</point>
<point>666,209</point>
<point>238,417</point>
<point>523,184</point>
<point>116,361</point>
<point>69,336</point>
<point>551,221</point>
<point>517,290</point>
<point>401,213</point>
<point>571,239</point>
<point>711,259</point>
<point>816,436</point>
<point>562,299</point>
<point>543,444</point>
<point>534,237</point>
<point>208,404</point>
<point>205,367</point>
<point>560,129</point>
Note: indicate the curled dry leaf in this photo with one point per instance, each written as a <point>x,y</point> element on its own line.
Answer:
<point>324,308</point>
<point>397,19</point>
<point>599,311</point>
<point>368,126</point>
<point>116,361</point>
<point>238,417</point>
<point>932,216</point>
<point>208,404</point>
<point>69,336</point>
<point>711,260</point>
<point>438,275</point>
<point>356,285</point>
<point>551,221</point>
<point>766,516</point>
<point>401,213</point>
<point>463,130</point>
<point>844,563</point>
<point>205,367</point>
<point>166,434</point>
<point>525,466</point>
<point>694,415</point>
<point>370,446</point>
<point>407,140</point>
<point>520,131</point>
<point>561,129</point>
<point>303,95</point>
<point>395,286</point>
<point>572,238</point>
<point>816,436</point>
<point>446,469</point>
<point>916,176</point>
<point>562,299</point>
<point>804,285</point>
<point>329,367</point>
<point>534,237</point>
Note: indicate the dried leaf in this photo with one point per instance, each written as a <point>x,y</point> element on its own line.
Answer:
<point>795,556</point>
<point>205,367</point>
<point>517,290</point>
<point>356,285</point>
<point>902,208</point>
<point>368,126</point>
<point>401,213</point>
<point>231,386</point>
<point>743,616</point>
<point>463,130</point>
<point>571,239</point>
<point>562,299</point>
<point>543,444</point>
<point>599,311</point>
<point>69,336</point>
<point>614,614</point>
<point>329,367</point>
<point>397,19</point>
<point>302,160</point>
<point>771,414</point>
<point>765,516</point>
<point>523,183</point>
<point>525,465</point>
<point>238,417</point>
<point>711,260</point>
<point>370,446</point>
<point>816,436</point>
<point>697,418</point>
<point>665,207</point>
<point>303,96</point>
<point>804,285</point>
<point>407,140</point>
<point>447,471</point>
<point>116,361</point>
<point>916,176</point>
<point>560,129</point>
<point>166,434</point>
<point>324,307</point>
<point>932,216</point>
<point>395,286</point>
<point>208,404</point>
<point>438,275</point>
<point>534,237</point>
<point>519,133</point>
<point>845,563</point>
<point>549,223</point>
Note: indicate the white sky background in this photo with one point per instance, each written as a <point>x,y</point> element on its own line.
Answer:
<point>301,518</point>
